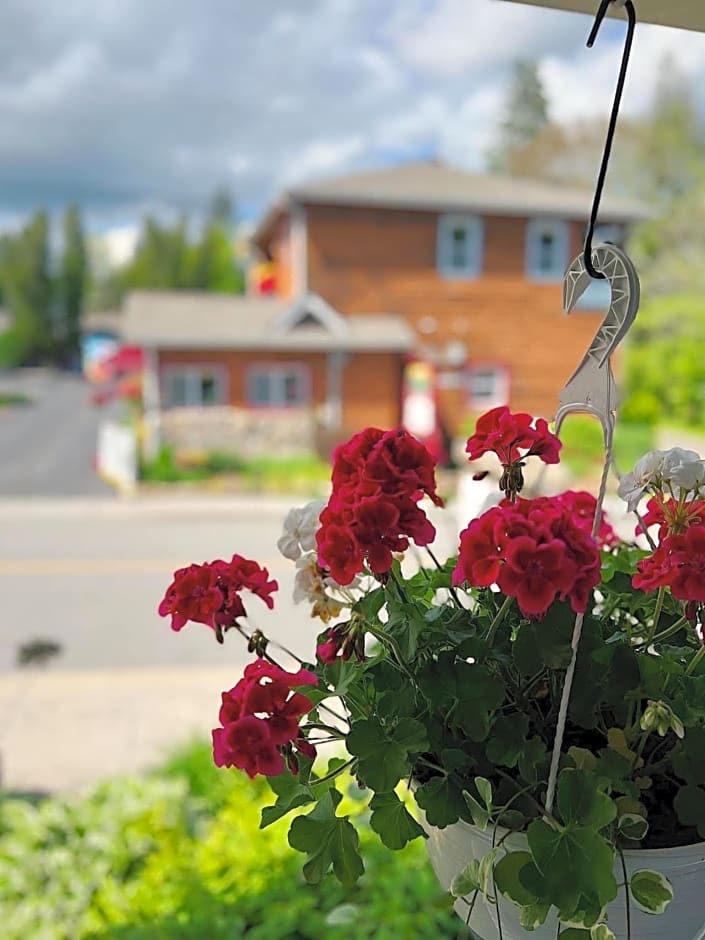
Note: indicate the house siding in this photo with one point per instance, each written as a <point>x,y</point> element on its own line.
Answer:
<point>371,381</point>
<point>383,260</point>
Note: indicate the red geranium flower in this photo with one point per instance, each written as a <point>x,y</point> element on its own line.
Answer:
<point>378,477</point>
<point>260,719</point>
<point>532,550</point>
<point>210,593</point>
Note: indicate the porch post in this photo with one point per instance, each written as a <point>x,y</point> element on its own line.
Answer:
<point>151,399</point>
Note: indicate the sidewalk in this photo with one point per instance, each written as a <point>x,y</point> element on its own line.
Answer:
<point>67,730</point>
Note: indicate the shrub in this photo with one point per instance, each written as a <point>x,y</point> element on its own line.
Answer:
<point>179,855</point>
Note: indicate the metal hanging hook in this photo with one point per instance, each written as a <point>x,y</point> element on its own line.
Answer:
<point>631,17</point>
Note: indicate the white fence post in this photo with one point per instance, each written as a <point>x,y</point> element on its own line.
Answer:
<point>116,460</point>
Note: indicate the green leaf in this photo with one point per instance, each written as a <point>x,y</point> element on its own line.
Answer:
<point>480,815</point>
<point>533,760</point>
<point>601,932</point>
<point>547,643</point>
<point>383,751</point>
<point>328,840</point>
<point>392,821</point>
<point>651,891</point>
<point>467,881</point>
<point>576,869</point>
<point>689,804</point>
<point>689,762</point>
<point>507,874</point>
<point>581,802</point>
<point>484,788</point>
<point>574,933</point>
<point>632,826</point>
<point>582,758</point>
<point>442,801</point>
<point>507,739</point>
<point>290,792</point>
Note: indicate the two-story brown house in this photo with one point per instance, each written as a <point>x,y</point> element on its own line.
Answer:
<point>459,269</point>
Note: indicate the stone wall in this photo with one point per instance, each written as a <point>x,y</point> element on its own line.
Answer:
<point>240,431</point>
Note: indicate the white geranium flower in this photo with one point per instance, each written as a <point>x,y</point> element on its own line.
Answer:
<point>310,585</point>
<point>300,527</point>
<point>308,582</point>
<point>683,469</point>
<point>647,472</point>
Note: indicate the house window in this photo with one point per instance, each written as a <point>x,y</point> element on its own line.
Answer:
<point>547,242</point>
<point>598,296</point>
<point>278,386</point>
<point>488,387</point>
<point>194,386</point>
<point>459,250</point>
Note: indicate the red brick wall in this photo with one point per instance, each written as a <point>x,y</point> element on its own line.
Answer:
<point>371,381</point>
<point>372,261</point>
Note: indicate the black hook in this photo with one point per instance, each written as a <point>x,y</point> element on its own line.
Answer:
<point>631,16</point>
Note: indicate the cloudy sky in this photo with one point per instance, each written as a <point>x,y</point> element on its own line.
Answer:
<point>127,104</point>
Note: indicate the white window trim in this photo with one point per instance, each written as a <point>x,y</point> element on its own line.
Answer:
<point>279,368</point>
<point>501,390</point>
<point>561,232</point>
<point>217,370</point>
<point>474,228</point>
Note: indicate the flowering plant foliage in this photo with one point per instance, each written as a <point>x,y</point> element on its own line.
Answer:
<point>448,675</point>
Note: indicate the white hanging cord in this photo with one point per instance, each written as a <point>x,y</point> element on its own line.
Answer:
<point>577,633</point>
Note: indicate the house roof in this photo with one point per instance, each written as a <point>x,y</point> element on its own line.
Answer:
<point>681,13</point>
<point>434,186</point>
<point>199,320</point>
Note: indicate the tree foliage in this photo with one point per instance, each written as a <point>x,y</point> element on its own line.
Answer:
<point>525,116</point>
<point>71,286</point>
<point>27,293</point>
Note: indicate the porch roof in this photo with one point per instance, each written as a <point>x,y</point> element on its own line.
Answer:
<point>199,320</point>
<point>685,14</point>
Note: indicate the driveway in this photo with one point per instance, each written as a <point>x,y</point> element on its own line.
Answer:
<point>47,447</point>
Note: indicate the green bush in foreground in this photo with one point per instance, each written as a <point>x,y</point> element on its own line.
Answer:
<point>180,855</point>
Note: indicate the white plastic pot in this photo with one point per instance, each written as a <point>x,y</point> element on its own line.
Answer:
<point>451,849</point>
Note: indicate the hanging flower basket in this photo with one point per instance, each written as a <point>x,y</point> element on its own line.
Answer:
<point>452,674</point>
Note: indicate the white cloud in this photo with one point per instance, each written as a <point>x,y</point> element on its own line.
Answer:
<point>122,105</point>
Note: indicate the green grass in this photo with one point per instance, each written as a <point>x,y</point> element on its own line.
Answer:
<point>14,398</point>
<point>301,473</point>
<point>583,445</point>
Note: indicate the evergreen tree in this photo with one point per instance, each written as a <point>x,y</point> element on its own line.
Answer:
<point>27,290</point>
<point>73,276</point>
<point>525,117</point>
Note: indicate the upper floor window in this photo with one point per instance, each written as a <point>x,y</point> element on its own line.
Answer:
<point>278,386</point>
<point>547,244</point>
<point>459,249</point>
<point>194,386</point>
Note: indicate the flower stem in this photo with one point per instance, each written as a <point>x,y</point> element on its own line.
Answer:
<point>436,562</point>
<point>695,661</point>
<point>657,614</point>
<point>499,617</point>
<point>670,631</point>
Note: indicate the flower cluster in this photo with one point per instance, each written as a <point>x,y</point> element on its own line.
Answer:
<point>676,479</point>
<point>378,479</point>
<point>442,671</point>
<point>259,720</point>
<point>211,593</point>
<point>677,472</point>
<point>513,437</point>
<point>532,550</point>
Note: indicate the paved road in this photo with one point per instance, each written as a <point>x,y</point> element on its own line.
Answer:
<point>47,447</point>
<point>90,573</point>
